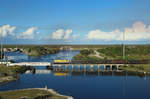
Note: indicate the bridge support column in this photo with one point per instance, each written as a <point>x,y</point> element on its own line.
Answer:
<point>98,68</point>
<point>104,67</point>
<point>78,67</point>
<point>92,67</point>
<point>111,67</point>
<point>72,67</point>
<point>117,67</point>
<point>84,67</point>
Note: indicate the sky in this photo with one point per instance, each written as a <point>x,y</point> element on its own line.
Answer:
<point>75,21</point>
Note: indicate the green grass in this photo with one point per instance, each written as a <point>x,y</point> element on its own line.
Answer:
<point>13,69</point>
<point>11,73</point>
<point>132,52</point>
<point>39,50</point>
<point>5,69</point>
<point>137,68</point>
<point>29,94</point>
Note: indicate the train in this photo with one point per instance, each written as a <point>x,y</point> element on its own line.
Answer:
<point>61,61</point>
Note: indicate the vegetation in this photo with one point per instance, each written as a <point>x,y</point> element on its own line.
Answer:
<point>39,50</point>
<point>137,68</point>
<point>110,52</point>
<point>29,94</point>
<point>0,55</point>
<point>13,69</point>
<point>85,55</point>
<point>86,52</point>
<point>133,52</point>
<point>106,51</point>
<point>8,74</point>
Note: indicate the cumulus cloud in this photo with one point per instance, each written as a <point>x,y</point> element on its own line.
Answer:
<point>61,34</point>
<point>7,29</point>
<point>138,31</point>
<point>67,34</point>
<point>28,34</point>
<point>58,34</point>
<point>98,34</point>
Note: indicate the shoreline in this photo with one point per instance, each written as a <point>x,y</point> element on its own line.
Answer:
<point>5,80</point>
<point>51,91</point>
<point>137,68</point>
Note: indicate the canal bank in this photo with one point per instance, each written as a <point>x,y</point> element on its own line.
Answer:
<point>9,74</point>
<point>139,68</point>
<point>33,93</point>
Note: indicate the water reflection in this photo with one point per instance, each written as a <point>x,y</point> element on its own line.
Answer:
<point>89,72</point>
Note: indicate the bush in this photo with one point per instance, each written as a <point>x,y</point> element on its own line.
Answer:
<point>12,61</point>
<point>87,52</point>
<point>141,68</point>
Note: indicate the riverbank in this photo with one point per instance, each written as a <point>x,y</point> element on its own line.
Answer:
<point>38,51</point>
<point>141,68</point>
<point>33,93</point>
<point>8,74</point>
<point>32,50</point>
<point>114,52</point>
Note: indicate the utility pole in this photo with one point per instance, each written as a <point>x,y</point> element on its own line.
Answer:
<point>124,78</point>
<point>123,50</point>
<point>1,48</point>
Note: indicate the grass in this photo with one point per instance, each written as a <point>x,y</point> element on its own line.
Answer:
<point>12,70</point>
<point>29,94</point>
<point>5,69</point>
<point>137,68</point>
<point>133,52</point>
<point>11,73</point>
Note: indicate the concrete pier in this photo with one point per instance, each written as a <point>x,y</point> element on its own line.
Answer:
<point>86,67</point>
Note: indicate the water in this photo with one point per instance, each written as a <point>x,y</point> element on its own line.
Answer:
<point>81,86</point>
<point>21,57</point>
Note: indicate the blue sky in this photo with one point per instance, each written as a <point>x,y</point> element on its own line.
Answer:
<point>74,21</point>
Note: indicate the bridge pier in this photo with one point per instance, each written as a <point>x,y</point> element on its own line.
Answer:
<point>98,68</point>
<point>104,67</point>
<point>84,67</point>
<point>110,68</point>
<point>79,68</point>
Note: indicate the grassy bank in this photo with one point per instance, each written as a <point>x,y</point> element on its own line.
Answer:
<point>39,50</point>
<point>110,52</point>
<point>133,52</point>
<point>137,68</point>
<point>86,54</point>
<point>36,93</point>
<point>32,50</point>
<point>8,74</point>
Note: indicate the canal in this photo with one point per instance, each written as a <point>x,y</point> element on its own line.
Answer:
<point>80,85</point>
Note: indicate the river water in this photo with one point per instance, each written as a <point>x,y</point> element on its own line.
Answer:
<point>80,86</point>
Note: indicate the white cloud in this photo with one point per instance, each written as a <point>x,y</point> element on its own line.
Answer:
<point>7,29</point>
<point>67,34</point>
<point>28,34</point>
<point>58,34</point>
<point>98,34</point>
<point>138,31</point>
<point>61,34</point>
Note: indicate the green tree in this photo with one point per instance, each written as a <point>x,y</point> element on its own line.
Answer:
<point>85,52</point>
